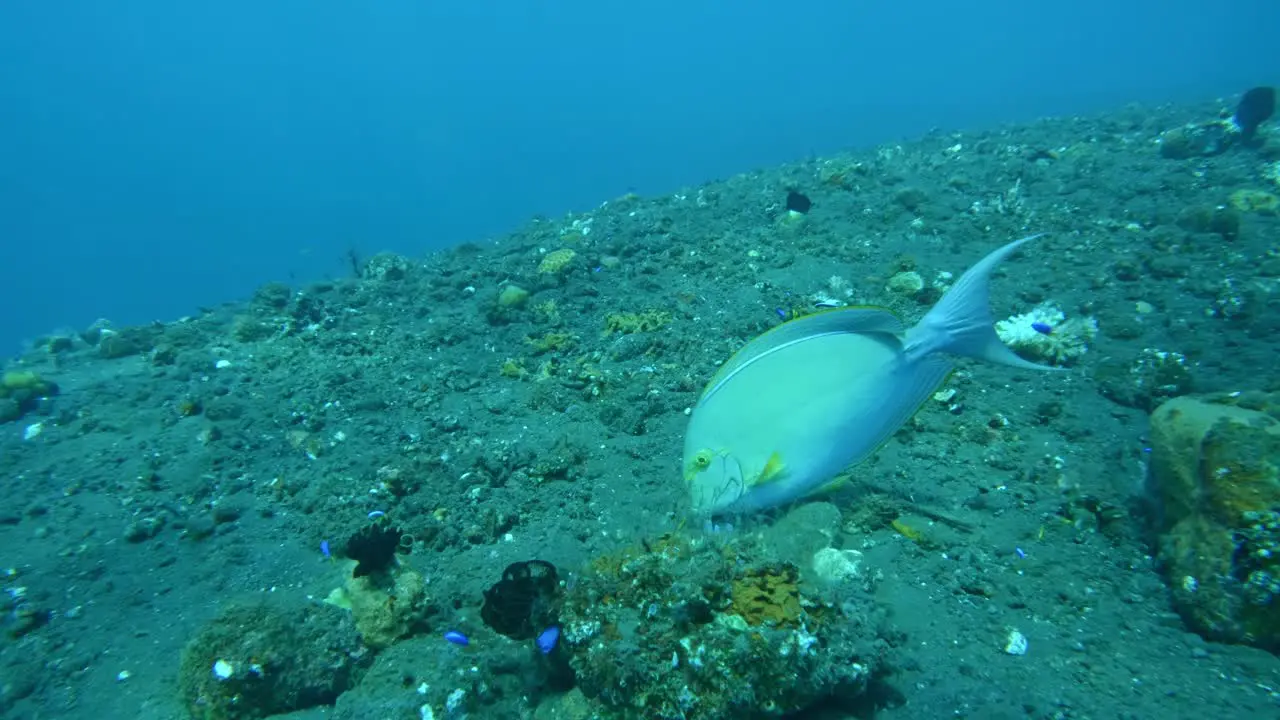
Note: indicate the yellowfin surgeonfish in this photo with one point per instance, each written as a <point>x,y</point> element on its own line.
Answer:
<point>808,399</point>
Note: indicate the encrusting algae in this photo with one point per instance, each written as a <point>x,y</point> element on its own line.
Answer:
<point>556,261</point>
<point>1216,460</point>
<point>626,323</point>
<point>768,596</point>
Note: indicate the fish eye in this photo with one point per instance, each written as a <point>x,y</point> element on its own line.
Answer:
<point>702,460</point>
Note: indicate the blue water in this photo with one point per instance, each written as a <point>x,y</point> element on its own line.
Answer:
<point>156,156</point>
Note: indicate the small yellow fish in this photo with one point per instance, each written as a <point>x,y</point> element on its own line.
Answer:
<point>808,399</point>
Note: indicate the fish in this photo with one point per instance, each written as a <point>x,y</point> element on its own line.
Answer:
<point>1256,107</point>
<point>798,202</point>
<point>547,639</point>
<point>809,399</point>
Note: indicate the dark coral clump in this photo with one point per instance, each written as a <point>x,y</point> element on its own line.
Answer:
<point>524,602</point>
<point>374,548</point>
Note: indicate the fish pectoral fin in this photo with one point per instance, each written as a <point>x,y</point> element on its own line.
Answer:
<point>773,469</point>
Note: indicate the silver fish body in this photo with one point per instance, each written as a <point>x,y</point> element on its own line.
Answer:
<point>814,396</point>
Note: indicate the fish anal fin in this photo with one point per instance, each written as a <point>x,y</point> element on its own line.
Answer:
<point>836,483</point>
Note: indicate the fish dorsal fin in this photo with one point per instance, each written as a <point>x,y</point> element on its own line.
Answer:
<point>863,319</point>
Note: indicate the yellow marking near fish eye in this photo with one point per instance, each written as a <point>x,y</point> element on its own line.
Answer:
<point>698,463</point>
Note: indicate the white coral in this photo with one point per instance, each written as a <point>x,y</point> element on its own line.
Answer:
<point>1065,341</point>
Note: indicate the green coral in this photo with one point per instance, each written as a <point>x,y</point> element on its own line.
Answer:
<point>19,381</point>
<point>1220,220</point>
<point>264,658</point>
<point>1216,460</point>
<point>551,342</point>
<point>1150,378</point>
<point>633,322</point>
<point>20,392</point>
<point>1258,546</point>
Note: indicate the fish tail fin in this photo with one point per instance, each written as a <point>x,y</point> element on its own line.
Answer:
<point>961,322</point>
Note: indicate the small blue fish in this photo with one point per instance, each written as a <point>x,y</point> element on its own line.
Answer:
<point>457,638</point>
<point>548,638</point>
<point>1042,328</point>
<point>324,548</point>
